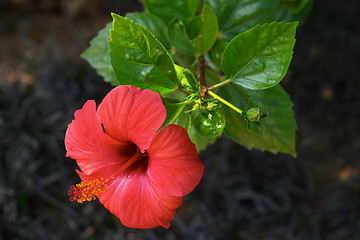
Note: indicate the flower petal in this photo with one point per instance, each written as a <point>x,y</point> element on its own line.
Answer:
<point>86,142</point>
<point>105,171</point>
<point>174,164</point>
<point>132,114</point>
<point>134,199</point>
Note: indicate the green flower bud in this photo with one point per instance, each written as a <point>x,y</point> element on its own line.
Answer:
<point>253,114</point>
<point>209,124</point>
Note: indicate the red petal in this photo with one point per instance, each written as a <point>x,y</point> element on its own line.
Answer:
<point>132,114</point>
<point>105,171</point>
<point>174,164</point>
<point>86,142</point>
<point>137,202</point>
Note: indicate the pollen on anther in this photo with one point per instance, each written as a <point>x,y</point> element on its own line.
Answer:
<point>88,191</point>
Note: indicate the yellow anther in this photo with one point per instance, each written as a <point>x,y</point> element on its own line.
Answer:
<point>88,191</point>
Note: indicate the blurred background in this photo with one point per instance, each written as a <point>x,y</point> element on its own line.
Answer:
<point>243,194</point>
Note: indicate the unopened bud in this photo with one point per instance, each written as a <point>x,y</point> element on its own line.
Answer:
<point>253,114</point>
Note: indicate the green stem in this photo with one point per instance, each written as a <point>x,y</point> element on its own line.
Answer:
<point>219,84</point>
<point>177,115</point>
<point>201,71</point>
<point>225,102</point>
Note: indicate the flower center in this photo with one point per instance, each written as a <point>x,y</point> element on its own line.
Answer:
<point>87,191</point>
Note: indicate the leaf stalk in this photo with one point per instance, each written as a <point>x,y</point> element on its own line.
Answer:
<point>219,84</point>
<point>236,109</point>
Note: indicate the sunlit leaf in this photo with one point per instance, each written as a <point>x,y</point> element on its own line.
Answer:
<point>187,80</point>
<point>155,25</point>
<point>136,51</point>
<point>260,57</point>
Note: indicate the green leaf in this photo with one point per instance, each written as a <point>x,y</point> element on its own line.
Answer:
<point>187,80</point>
<point>237,16</point>
<point>131,74</point>
<point>155,25</point>
<point>136,53</point>
<point>98,55</point>
<point>206,37</point>
<point>178,36</point>
<point>197,36</point>
<point>278,128</point>
<point>193,27</point>
<point>260,57</point>
<point>167,10</point>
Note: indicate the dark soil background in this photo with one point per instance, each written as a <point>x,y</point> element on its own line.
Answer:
<point>243,194</point>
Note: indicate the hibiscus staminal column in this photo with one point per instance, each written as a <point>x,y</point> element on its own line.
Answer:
<point>138,173</point>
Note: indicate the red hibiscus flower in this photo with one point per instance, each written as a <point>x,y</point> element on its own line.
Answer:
<point>139,175</point>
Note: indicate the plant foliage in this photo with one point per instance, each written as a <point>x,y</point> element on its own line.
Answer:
<point>216,63</point>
